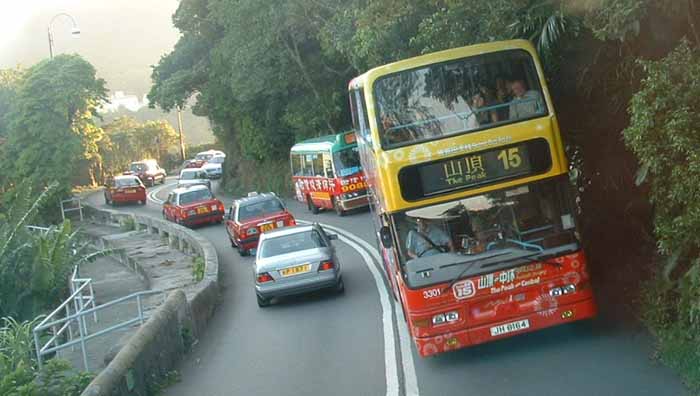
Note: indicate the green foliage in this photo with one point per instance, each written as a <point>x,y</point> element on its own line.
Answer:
<point>128,140</point>
<point>127,223</point>
<point>10,80</point>
<point>196,130</point>
<point>35,266</point>
<point>157,384</point>
<point>19,375</point>
<point>664,134</point>
<point>198,268</point>
<point>52,136</point>
<point>617,19</point>
<point>273,175</point>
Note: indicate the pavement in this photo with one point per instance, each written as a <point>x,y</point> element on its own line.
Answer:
<point>162,269</point>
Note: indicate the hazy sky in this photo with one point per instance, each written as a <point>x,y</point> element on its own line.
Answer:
<point>121,38</point>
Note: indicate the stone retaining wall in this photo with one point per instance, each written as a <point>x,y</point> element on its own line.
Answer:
<point>160,343</point>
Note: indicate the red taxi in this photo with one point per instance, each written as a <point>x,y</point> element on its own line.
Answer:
<point>193,205</point>
<point>249,217</point>
<point>123,189</point>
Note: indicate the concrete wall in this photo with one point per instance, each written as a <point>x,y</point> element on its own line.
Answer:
<point>160,343</point>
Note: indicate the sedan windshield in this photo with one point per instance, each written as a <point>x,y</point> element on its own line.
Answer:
<point>195,196</point>
<point>258,209</point>
<point>533,218</point>
<point>291,243</point>
<point>347,161</point>
<point>457,97</point>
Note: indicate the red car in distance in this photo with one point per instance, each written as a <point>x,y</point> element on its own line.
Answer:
<point>251,216</point>
<point>124,189</point>
<point>192,206</point>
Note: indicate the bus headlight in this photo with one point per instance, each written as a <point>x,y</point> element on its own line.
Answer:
<point>568,289</point>
<point>447,317</point>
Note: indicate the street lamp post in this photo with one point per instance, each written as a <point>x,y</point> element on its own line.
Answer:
<point>75,31</point>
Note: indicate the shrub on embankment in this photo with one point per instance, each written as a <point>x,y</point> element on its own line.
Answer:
<point>19,372</point>
<point>664,133</point>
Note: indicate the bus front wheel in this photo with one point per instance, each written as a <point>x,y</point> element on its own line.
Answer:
<point>312,207</point>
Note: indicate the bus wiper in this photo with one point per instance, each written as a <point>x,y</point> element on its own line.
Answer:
<point>533,258</point>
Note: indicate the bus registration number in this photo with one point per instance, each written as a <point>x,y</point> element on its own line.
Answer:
<point>510,327</point>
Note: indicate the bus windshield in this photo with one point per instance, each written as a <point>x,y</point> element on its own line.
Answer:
<point>347,161</point>
<point>529,220</point>
<point>460,96</point>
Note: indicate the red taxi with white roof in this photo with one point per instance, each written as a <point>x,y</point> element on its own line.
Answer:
<point>193,205</point>
<point>124,189</point>
<point>251,216</point>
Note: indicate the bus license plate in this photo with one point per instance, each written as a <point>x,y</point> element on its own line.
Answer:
<point>510,327</point>
<point>266,227</point>
<point>299,269</point>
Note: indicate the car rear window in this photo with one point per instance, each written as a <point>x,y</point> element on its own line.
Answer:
<point>138,167</point>
<point>291,243</point>
<point>130,182</point>
<point>257,209</point>
<point>194,196</point>
<point>192,175</point>
<point>217,160</point>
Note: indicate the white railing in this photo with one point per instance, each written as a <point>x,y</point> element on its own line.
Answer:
<point>71,205</point>
<point>82,299</point>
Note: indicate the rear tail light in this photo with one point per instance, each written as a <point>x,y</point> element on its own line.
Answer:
<point>221,207</point>
<point>264,278</point>
<point>326,265</point>
<point>292,222</point>
<point>184,214</point>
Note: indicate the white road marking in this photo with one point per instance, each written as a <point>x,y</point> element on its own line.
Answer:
<point>409,370</point>
<point>153,194</point>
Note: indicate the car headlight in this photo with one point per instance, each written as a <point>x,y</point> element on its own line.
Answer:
<point>191,213</point>
<point>252,231</point>
<point>447,317</point>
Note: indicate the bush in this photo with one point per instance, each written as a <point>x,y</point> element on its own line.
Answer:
<point>664,134</point>
<point>273,175</point>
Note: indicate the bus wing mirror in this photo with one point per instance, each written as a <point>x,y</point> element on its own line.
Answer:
<point>385,237</point>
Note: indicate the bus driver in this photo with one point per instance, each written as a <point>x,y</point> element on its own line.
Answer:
<point>427,240</point>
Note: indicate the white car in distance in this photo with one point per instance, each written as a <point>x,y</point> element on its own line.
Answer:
<point>214,166</point>
<point>193,176</point>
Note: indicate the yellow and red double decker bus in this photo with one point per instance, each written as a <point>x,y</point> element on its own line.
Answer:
<point>469,189</point>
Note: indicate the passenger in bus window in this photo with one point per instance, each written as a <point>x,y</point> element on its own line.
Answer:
<point>525,103</point>
<point>502,96</point>
<point>427,240</point>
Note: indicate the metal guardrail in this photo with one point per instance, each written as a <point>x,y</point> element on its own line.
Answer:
<point>82,297</point>
<point>71,205</point>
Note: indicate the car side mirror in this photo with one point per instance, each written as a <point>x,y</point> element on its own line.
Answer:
<point>332,237</point>
<point>385,237</point>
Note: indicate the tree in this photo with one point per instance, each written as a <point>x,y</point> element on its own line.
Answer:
<point>51,129</point>
<point>9,83</point>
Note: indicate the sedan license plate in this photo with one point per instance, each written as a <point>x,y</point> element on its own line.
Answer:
<point>510,327</point>
<point>299,269</point>
<point>267,227</point>
<point>202,209</point>
<point>130,191</point>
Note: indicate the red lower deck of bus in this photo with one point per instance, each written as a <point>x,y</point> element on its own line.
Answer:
<point>500,304</point>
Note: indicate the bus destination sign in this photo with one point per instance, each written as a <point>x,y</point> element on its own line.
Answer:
<point>475,169</point>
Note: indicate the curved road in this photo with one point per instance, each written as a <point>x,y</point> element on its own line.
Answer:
<point>356,344</point>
